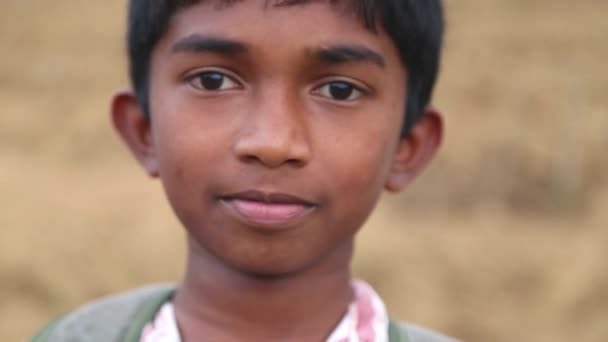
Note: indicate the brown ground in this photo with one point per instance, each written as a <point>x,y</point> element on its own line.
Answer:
<point>504,239</point>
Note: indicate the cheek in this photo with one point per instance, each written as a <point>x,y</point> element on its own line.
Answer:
<point>178,174</point>
<point>183,155</point>
<point>363,149</point>
<point>362,172</point>
<point>358,172</point>
<point>188,139</point>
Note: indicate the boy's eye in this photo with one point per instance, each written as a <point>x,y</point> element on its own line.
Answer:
<point>213,81</point>
<point>340,91</point>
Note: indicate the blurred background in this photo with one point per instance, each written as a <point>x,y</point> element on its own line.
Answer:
<point>503,239</point>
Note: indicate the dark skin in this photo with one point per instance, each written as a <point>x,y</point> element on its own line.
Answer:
<point>273,140</point>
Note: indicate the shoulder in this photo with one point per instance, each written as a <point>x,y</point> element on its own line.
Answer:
<point>105,319</point>
<point>417,333</point>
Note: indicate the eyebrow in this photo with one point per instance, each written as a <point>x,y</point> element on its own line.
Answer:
<point>347,54</point>
<point>197,43</point>
<point>337,54</point>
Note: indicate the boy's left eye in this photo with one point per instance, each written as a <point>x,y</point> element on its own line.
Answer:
<point>340,91</point>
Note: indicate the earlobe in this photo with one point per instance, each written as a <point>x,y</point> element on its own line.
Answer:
<point>415,151</point>
<point>135,130</point>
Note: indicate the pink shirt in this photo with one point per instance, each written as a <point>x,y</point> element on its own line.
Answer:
<point>365,321</point>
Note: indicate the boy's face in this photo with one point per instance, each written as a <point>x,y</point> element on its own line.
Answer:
<point>273,130</point>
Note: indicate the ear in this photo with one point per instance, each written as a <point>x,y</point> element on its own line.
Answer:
<point>135,130</point>
<point>415,150</point>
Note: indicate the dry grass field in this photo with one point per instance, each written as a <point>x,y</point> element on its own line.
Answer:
<point>505,238</point>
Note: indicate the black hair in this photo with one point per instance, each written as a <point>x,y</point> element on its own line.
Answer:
<point>415,26</point>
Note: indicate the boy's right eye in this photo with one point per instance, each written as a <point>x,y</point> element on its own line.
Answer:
<point>213,81</point>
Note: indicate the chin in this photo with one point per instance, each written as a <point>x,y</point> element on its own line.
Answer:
<point>269,269</point>
<point>270,257</point>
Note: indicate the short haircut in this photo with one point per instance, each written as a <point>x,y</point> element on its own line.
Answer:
<point>415,27</point>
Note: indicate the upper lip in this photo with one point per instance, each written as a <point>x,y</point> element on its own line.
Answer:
<point>268,197</point>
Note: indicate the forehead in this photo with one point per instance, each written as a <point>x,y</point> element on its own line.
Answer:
<point>366,9</point>
<point>294,22</point>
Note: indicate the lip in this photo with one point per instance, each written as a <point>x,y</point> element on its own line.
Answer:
<point>267,210</point>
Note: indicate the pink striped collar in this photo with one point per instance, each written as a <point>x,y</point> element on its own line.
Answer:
<point>365,321</point>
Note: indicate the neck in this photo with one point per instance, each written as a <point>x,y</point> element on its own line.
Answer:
<point>222,304</point>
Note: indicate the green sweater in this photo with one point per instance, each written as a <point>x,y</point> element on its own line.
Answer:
<point>122,317</point>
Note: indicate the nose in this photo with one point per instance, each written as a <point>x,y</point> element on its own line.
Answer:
<point>274,132</point>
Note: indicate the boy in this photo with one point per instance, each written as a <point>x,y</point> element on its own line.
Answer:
<point>274,126</point>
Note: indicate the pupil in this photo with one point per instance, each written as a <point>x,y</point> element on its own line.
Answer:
<point>212,80</point>
<point>340,91</point>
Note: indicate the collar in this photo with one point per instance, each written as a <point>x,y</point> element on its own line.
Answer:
<point>366,320</point>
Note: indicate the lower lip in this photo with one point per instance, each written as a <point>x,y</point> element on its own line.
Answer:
<point>271,215</point>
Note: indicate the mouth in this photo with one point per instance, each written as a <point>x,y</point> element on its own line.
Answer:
<point>267,210</point>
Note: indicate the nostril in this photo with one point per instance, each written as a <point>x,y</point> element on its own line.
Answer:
<point>249,159</point>
<point>272,162</point>
<point>296,162</point>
